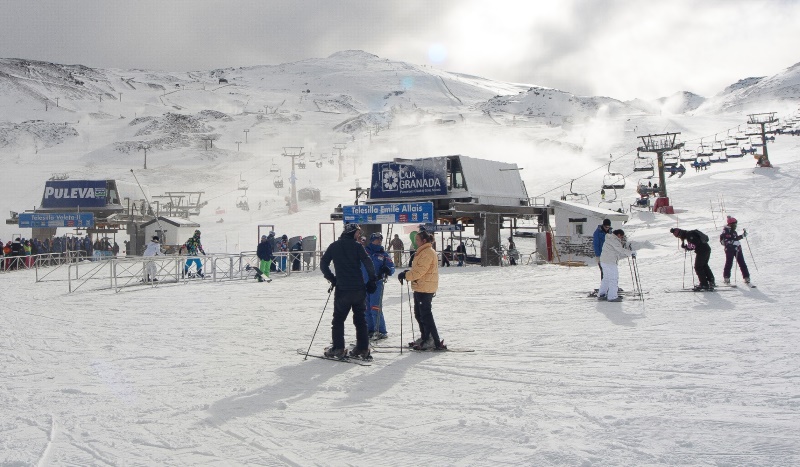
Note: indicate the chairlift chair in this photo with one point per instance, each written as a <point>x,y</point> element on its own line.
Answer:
<point>274,168</point>
<point>704,151</point>
<point>671,161</point>
<point>243,184</point>
<point>734,151</point>
<point>643,164</point>
<point>575,197</point>
<point>688,155</point>
<point>278,181</point>
<point>756,142</point>
<point>717,146</point>
<point>241,203</point>
<point>613,179</point>
<point>741,136</point>
<point>730,141</point>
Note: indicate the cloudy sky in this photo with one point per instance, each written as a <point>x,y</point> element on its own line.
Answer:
<point>617,48</point>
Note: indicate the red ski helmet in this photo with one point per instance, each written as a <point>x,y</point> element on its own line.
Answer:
<point>731,220</point>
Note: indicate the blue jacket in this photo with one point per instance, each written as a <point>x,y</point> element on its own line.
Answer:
<point>598,239</point>
<point>379,259</point>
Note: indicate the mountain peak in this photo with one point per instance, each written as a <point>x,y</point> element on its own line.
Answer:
<point>353,54</point>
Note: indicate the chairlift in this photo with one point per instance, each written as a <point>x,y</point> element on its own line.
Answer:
<point>704,151</point>
<point>645,187</point>
<point>741,136</point>
<point>242,184</point>
<point>301,165</point>
<point>274,168</point>
<point>730,141</point>
<point>735,151</point>
<point>756,142</point>
<point>613,179</point>
<point>688,155</point>
<point>575,197</point>
<point>241,203</point>
<point>717,146</point>
<point>278,181</point>
<point>643,164</point>
<point>671,161</point>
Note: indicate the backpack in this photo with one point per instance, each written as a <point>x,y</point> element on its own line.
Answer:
<point>703,237</point>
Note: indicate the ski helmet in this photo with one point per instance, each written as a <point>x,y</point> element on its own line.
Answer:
<point>351,228</point>
<point>196,233</point>
<point>732,220</point>
<point>376,236</point>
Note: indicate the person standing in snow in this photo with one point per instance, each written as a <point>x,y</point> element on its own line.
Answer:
<point>264,254</point>
<point>193,246</point>
<point>153,248</point>
<point>397,247</point>
<point>384,267</point>
<point>347,256</point>
<point>424,279</point>
<point>598,239</point>
<point>613,251</point>
<point>697,241</point>
<point>733,249</point>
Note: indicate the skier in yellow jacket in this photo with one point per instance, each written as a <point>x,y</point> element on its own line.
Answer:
<point>424,278</point>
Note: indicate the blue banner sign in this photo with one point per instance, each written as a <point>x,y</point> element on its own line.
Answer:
<point>74,193</point>
<point>397,213</point>
<point>421,177</point>
<point>28,220</point>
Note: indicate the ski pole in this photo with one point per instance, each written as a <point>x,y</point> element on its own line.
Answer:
<point>410,311</point>
<point>751,252</point>
<point>683,284</point>
<point>691,260</point>
<point>638,279</point>
<point>330,290</point>
<point>401,317</point>
<point>633,282</point>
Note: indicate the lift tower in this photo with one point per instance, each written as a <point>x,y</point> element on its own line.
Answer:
<point>293,152</point>
<point>660,144</point>
<point>763,119</point>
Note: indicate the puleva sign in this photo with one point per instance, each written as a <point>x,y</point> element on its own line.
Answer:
<point>74,193</point>
<point>422,177</point>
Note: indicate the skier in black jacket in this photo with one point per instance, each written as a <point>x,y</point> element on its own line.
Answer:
<point>348,255</point>
<point>733,249</point>
<point>698,241</point>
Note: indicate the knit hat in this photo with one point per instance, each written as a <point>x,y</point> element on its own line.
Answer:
<point>675,231</point>
<point>155,238</point>
<point>607,222</point>
<point>376,236</point>
<point>619,232</point>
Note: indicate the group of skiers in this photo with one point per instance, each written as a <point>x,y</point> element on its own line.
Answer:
<point>361,272</point>
<point>697,241</point>
<point>611,245</point>
<point>269,261</point>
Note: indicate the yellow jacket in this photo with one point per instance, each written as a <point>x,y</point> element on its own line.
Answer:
<point>424,273</point>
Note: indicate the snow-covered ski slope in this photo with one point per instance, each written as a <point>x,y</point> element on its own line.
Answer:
<point>207,373</point>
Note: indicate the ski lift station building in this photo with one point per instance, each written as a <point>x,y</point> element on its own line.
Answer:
<point>575,224</point>
<point>171,230</point>
<point>464,190</point>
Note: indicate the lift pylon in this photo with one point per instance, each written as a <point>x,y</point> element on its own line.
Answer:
<point>660,144</point>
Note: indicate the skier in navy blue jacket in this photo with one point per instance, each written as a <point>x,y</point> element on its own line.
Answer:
<point>347,256</point>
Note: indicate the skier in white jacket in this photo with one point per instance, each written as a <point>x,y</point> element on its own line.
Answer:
<point>153,248</point>
<point>613,251</point>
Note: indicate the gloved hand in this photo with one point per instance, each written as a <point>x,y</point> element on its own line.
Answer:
<point>402,276</point>
<point>597,258</point>
<point>633,254</point>
<point>372,286</point>
<point>744,232</point>
<point>685,247</point>
<point>385,271</point>
<point>332,280</point>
